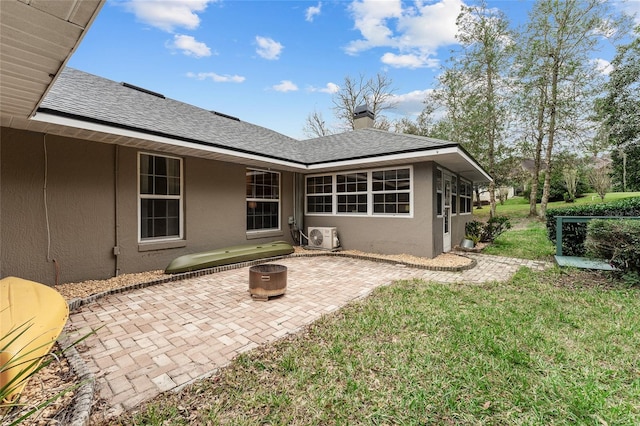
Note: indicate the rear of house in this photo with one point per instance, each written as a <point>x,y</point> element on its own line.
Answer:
<point>108,178</point>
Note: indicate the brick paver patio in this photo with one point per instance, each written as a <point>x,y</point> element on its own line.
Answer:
<point>162,337</point>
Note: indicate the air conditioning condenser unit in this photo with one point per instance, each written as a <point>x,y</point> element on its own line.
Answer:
<point>323,237</point>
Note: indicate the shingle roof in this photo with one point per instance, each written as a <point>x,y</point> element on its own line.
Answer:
<point>89,97</point>
<point>82,95</point>
<point>364,143</point>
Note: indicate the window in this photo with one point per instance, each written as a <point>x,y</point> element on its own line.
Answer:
<point>454,195</point>
<point>438,192</point>
<point>352,193</point>
<point>263,200</point>
<point>466,194</point>
<point>391,191</point>
<point>160,197</point>
<point>319,194</point>
<point>372,192</point>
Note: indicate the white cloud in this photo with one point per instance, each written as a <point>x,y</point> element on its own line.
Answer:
<point>217,78</point>
<point>189,46</point>
<point>411,103</point>
<point>631,8</point>
<point>408,61</point>
<point>312,11</point>
<point>285,86</point>
<point>168,14</point>
<point>268,48</point>
<point>417,31</point>
<point>603,66</point>
<point>330,88</point>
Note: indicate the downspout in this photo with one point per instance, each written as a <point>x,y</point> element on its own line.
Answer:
<point>116,247</point>
<point>298,207</point>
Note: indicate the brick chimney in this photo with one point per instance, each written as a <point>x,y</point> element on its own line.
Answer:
<point>362,117</point>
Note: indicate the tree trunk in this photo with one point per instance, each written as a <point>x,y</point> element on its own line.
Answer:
<point>552,132</point>
<point>533,197</point>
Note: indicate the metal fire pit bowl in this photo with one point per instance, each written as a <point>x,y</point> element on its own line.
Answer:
<point>267,281</point>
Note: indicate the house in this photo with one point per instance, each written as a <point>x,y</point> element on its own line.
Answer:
<point>100,178</point>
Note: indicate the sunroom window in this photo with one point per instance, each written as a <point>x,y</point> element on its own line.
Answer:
<point>352,193</point>
<point>391,191</point>
<point>439,192</point>
<point>385,192</point>
<point>466,195</point>
<point>319,194</point>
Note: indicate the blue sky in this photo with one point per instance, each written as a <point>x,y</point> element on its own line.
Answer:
<point>272,63</point>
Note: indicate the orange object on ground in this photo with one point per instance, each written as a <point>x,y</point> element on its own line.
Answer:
<point>32,316</point>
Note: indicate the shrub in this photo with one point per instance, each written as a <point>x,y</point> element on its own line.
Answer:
<point>487,232</point>
<point>27,365</point>
<point>617,241</point>
<point>574,234</point>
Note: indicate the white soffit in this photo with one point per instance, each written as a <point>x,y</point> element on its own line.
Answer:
<point>37,38</point>
<point>452,158</point>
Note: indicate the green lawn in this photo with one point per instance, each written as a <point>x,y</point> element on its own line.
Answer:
<point>518,207</point>
<point>543,348</point>
<point>527,241</point>
<point>528,238</point>
<point>557,347</point>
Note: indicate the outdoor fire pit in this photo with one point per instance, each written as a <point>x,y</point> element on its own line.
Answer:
<point>267,281</point>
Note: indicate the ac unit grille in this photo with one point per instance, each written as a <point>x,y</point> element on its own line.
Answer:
<point>323,237</point>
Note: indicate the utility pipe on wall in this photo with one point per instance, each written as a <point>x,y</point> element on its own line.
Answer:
<point>116,173</point>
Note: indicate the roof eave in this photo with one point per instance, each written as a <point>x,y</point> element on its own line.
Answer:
<point>450,156</point>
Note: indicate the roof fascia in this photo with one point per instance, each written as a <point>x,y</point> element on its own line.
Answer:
<point>95,126</point>
<point>425,155</point>
<point>83,123</point>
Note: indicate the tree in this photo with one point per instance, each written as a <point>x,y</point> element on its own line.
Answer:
<point>621,109</point>
<point>600,180</point>
<point>570,176</point>
<point>315,125</point>
<point>375,92</point>
<point>558,74</point>
<point>481,67</point>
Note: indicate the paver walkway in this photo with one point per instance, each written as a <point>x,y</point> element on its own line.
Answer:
<point>162,337</point>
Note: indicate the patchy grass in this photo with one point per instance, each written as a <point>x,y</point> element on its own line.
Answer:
<point>540,349</point>
<point>518,207</point>
<point>526,240</point>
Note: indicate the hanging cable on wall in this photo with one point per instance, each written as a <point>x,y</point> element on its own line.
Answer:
<point>44,194</point>
<point>46,210</point>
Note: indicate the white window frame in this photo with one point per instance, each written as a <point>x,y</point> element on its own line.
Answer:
<point>160,197</point>
<point>370,194</point>
<point>347,193</point>
<point>319,194</point>
<point>439,190</point>
<point>267,200</point>
<point>455,206</point>
<point>468,195</point>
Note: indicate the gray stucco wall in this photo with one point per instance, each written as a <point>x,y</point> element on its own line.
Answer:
<point>81,204</point>
<point>421,235</point>
<point>79,194</point>
<point>390,235</point>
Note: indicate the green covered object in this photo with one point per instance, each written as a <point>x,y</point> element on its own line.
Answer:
<point>227,256</point>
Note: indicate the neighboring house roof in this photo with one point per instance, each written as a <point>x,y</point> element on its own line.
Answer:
<point>148,120</point>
